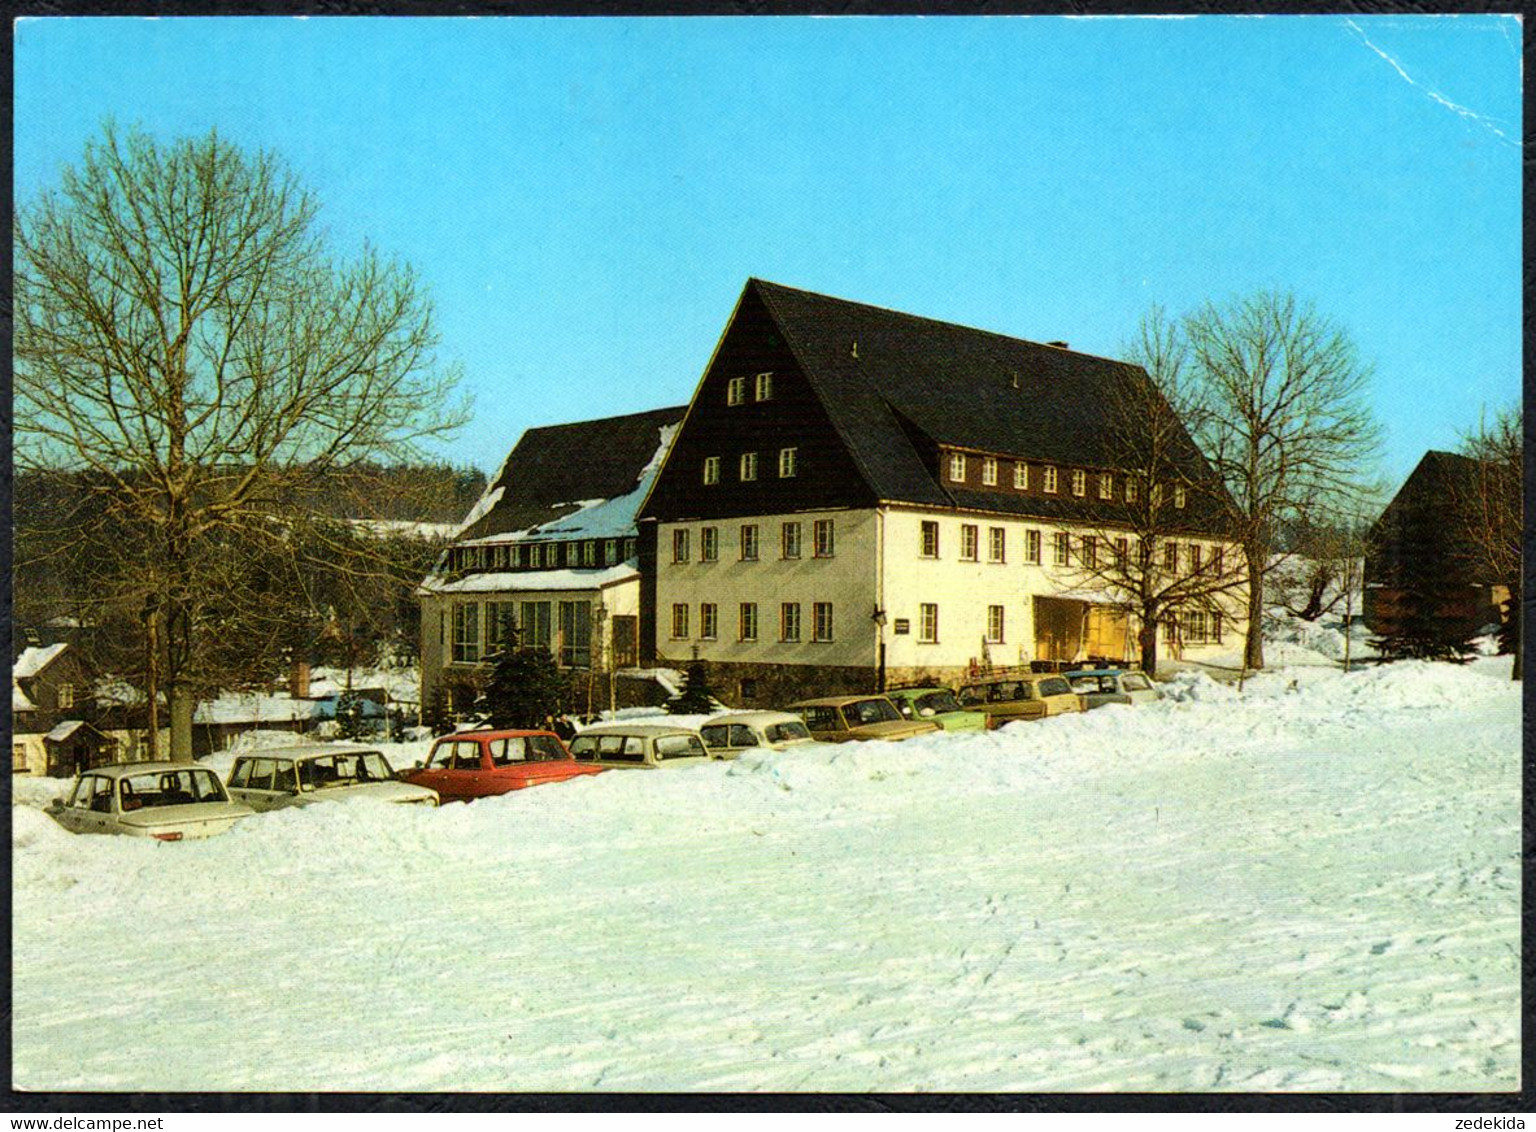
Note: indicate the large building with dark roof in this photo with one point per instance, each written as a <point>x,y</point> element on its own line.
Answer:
<point>858,494</point>
<point>550,549</point>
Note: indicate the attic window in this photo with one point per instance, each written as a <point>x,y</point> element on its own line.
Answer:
<point>66,696</point>
<point>1079,482</point>
<point>515,556</point>
<point>1021,475</point>
<point>1179,496</point>
<point>712,469</point>
<point>736,391</point>
<point>957,467</point>
<point>763,390</point>
<point>610,551</point>
<point>989,471</point>
<point>1106,486</point>
<point>1050,479</point>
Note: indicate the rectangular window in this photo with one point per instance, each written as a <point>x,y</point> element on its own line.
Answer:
<point>1121,549</point>
<point>709,544</point>
<point>928,624</point>
<point>573,554</point>
<point>1194,626</point>
<point>748,466</point>
<point>679,621</point>
<point>1021,475</point>
<point>535,625</point>
<point>821,626</point>
<point>930,544</point>
<point>711,469</point>
<point>709,620</point>
<point>764,387</point>
<point>680,545</point>
<point>536,556</point>
<point>66,695</point>
<point>466,638</point>
<point>576,634</point>
<point>1060,547</point>
<point>787,463</point>
<point>500,625</point>
<point>1050,480</point>
<point>498,558</point>
<point>736,391</point>
<point>747,623</point>
<point>1079,482</point>
<point>789,621</point>
<point>749,542</point>
<point>1171,556</point>
<point>1194,558</point>
<point>997,544</point>
<point>789,540</point>
<point>1217,555</point>
<point>968,539</point>
<point>1179,496</point>
<point>957,467</point>
<point>823,546</point>
<point>1090,551</point>
<point>1130,491</point>
<point>1106,486</point>
<point>989,471</point>
<point>515,556</point>
<point>994,624</point>
<point>1032,547</point>
<point>610,552</point>
<point>629,548</point>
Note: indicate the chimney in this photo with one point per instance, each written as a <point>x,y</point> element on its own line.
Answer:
<point>298,680</point>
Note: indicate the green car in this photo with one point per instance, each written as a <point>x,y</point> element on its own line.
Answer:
<point>938,705</point>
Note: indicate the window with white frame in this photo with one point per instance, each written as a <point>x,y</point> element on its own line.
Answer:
<point>534,621</point>
<point>789,621</point>
<point>573,554</point>
<point>536,555</point>
<point>994,624</point>
<point>749,542</point>
<point>1021,475</point>
<point>466,633</point>
<point>709,620</point>
<point>747,621</point>
<point>1061,547</point>
<point>610,552</point>
<point>711,469</point>
<point>997,544</point>
<point>1194,626</point>
<point>679,621</point>
<point>680,545</point>
<point>1180,496</point>
<point>589,553</point>
<point>930,540</point>
<point>763,387</point>
<point>821,621</point>
<point>1032,547</point>
<point>736,391</point>
<point>789,540</point>
<point>748,466</point>
<point>928,623</point>
<point>787,463</point>
<point>709,544</point>
<point>515,556</point>
<point>957,467</point>
<point>1106,486</point>
<point>823,545</point>
<point>1079,482</point>
<point>498,558</point>
<point>989,471</point>
<point>968,542</point>
<point>500,625</point>
<point>629,547</point>
<point>66,695</point>
<point>1049,480</point>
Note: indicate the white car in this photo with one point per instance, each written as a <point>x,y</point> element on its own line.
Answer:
<point>652,745</point>
<point>166,801</point>
<point>278,777</point>
<point>727,736</point>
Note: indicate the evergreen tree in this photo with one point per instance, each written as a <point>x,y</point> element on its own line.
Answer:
<point>435,714</point>
<point>696,697</point>
<point>525,689</point>
<point>349,715</point>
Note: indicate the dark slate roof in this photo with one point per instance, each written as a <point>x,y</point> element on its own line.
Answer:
<point>953,384</point>
<point>554,467</point>
<point>1437,480</point>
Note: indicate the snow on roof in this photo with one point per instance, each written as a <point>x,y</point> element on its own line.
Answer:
<point>33,660</point>
<point>535,581</point>
<point>65,730</point>
<point>235,708</point>
<point>408,527</point>
<point>482,505</point>
<point>19,701</point>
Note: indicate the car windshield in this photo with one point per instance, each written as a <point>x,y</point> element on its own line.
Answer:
<point>169,788</point>
<point>861,713</point>
<point>1055,686</point>
<point>788,732</point>
<point>1085,683</point>
<point>344,769</point>
<point>938,702</point>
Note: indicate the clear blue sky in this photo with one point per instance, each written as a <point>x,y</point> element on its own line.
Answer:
<point>587,197</point>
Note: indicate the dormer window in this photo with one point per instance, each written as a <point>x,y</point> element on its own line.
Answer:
<point>1079,482</point>
<point>515,556</point>
<point>989,471</point>
<point>957,467</point>
<point>1050,480</point>
<point>1106,486</point>
<point>736,391</point>
<point>763,390</point>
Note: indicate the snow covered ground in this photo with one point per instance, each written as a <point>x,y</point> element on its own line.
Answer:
<point>1313,884</point>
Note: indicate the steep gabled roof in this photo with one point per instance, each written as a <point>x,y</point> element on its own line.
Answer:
<point>887,378</point>
<point>575,479</point>
<point>36,658</point>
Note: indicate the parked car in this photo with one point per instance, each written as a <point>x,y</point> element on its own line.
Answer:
<point>838,719</point>
<point>166,801</point>
<point>939,705</point>
<point>1032,695</point>
<point>480,764</point>
<point>638,745</point>
<point>1100,686</point>
<point>277,777</point>
<point>727,736</point>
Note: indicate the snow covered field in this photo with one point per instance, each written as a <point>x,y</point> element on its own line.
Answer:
<point>1311,885</point>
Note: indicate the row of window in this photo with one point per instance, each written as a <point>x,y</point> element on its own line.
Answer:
<point>823,542</point>
<point>746,466</point>
<point>476,635</point>
<point>574,553</point>
<point>1087,550</point>
<point>1050,479</point>
<point>736,389</point>
<point>790,628</point>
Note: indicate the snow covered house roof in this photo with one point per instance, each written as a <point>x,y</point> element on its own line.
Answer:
<point>256,708</point>
<point>535,580</point>
<point>581,480</point>
<point>34,659</point>
<point>64,730</point>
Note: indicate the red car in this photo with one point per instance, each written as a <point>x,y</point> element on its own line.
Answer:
<point>480,764</point>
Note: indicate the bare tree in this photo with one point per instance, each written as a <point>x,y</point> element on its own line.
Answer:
<point>1491,510</point>
<point>1283,419</point>
<point>184,333</point>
